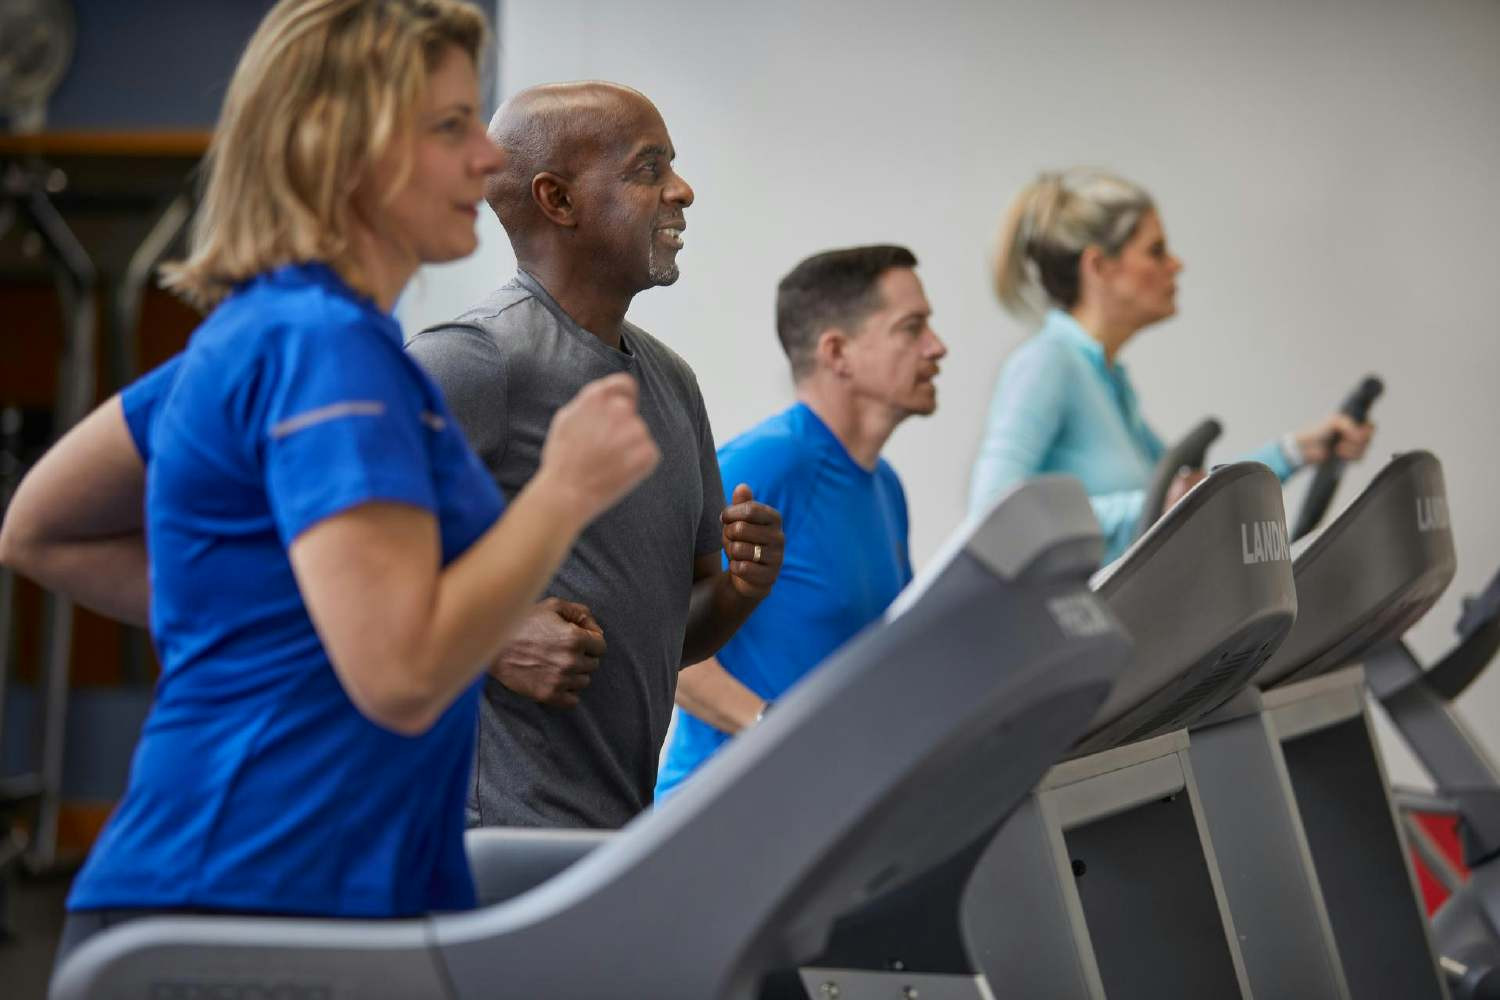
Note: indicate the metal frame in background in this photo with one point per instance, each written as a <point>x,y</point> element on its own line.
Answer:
<point>29,178</point>
<point>76,279</point>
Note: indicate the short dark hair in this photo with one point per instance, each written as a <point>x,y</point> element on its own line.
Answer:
<point>831,289</point>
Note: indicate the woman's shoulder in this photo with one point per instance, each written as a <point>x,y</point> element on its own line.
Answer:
<point>1041,356</point>
<point>258,353</point>
<point>286,327</point>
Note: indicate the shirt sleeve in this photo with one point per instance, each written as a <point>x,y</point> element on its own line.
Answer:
<point>771,467</point>
<point>1155,447</point>
<point>471,373</point>
<point>140,400</point>
<point>1118,513</point>
<point>343,423</point>
<point>1273,454</point>
<point>905,526</point>
<point>710,528</point>
<point>1025,416</point>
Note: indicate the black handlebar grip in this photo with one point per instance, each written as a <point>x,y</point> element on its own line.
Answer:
<point>1357,406</point>
<point>1187,452</point>
<point>1326,480</point>
<point>1191,450</point>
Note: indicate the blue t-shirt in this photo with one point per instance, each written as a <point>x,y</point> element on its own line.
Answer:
<point>257,785</point>
<point>140,399</point>
<point>846,560</point>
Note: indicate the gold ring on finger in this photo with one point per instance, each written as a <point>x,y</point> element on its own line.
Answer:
<point>756,556</point>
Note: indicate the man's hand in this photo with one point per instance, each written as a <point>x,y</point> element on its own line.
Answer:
<point>554,654</point>
<point>754,543</point>
<point>1353,439</point>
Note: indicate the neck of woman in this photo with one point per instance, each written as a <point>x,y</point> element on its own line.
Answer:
<point>1110,332</point>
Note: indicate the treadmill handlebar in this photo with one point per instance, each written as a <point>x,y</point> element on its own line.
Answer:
<point>1189,452</point>
<point>1357,405</point>
<point>1479,632</point>
<point>1481,610</point>
<point>1193,449</point>
<point>1325,482</point>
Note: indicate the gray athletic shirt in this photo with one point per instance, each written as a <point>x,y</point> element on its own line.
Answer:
<point>506,366</point>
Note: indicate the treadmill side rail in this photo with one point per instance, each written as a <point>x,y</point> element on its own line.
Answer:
<point>859,984</point>
<point>208,957</point>
<point>1355,836</point>
<point>1269,878</point>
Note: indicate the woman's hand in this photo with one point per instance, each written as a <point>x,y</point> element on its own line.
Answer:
<point>1185,480</point>
<point>1317,441</point>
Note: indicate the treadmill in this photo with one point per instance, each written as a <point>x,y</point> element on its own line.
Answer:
<point>1105,879</point>
<point>1372,573</point>
<point>917,736</point>
<point>1420,704</point>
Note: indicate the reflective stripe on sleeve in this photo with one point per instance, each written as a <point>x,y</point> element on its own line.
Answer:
<point>333,411</point>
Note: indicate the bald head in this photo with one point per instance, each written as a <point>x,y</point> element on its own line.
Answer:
<point>588,188</point>
<point>557,128</point>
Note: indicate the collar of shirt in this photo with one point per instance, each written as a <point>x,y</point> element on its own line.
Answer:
<point>317,273</point>
<point>1067,329</point>
<point>626,353</point>
<point>1063,327</point>
<point>818,429</point>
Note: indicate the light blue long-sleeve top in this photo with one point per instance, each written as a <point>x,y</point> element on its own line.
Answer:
<point>1060,406</point>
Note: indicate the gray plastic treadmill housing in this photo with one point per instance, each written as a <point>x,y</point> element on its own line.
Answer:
<point>1195,645</point>
<point>1207,595</point>
<point>1372,573</point>
<point>893,754</point>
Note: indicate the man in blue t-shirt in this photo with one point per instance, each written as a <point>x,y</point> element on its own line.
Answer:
<point>855,326</point>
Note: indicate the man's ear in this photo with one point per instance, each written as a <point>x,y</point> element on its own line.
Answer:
<point>554,196</point>
<point>832,351</point>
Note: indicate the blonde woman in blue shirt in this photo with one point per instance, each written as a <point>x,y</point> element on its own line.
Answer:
<point>1084,251</point>
<point>326,567</point>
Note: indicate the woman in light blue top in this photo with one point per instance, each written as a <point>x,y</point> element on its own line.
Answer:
<point>1085,252</point>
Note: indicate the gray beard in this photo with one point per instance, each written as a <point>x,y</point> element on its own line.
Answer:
<point>660,272</point>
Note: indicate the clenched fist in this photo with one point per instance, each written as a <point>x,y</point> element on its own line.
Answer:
<point>1335,435</point>
<point>754,542</point>
<point>554,654</point>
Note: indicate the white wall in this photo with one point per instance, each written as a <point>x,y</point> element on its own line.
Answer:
<point>1327,169</point>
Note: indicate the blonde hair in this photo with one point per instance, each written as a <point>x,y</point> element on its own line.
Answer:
<point>1049,225</point>
<point>322,91</point>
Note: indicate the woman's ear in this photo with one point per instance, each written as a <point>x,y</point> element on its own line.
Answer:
<point>1091,262</point>
<point>1094,267</point>
<point>554,197</point>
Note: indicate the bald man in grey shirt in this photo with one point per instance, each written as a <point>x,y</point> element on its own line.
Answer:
<point>575,711</point>
<point>506,367</point>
